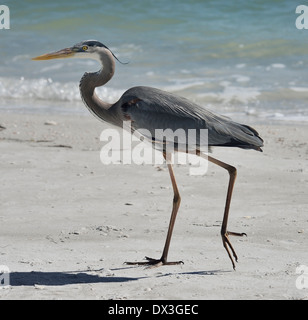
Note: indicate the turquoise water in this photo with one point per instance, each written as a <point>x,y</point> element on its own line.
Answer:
<point>245,59</point>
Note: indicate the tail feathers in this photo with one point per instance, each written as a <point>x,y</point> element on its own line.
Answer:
<point>258,141</point>
<point>241,136</point>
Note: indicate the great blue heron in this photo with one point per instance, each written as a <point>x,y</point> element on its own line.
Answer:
<point>151,109</point>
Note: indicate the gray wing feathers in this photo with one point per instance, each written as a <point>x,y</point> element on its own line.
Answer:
<point>155,109</point>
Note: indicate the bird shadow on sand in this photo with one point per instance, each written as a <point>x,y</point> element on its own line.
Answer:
<point>62,278</point>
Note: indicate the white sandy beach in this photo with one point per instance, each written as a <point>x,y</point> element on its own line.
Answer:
<point>68,222</point>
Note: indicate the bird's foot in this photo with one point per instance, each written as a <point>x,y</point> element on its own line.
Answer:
<point>154,263</point>
<point>227,244</point>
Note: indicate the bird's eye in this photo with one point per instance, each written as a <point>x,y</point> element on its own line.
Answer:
<point>84,48</point>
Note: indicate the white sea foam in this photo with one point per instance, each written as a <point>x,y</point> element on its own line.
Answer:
<point>47,89</point>
<point>287,117</point>
<point>275,66</point>
<point>233,97</point>
<point>241,78</point>
<point>178,86</point>
<point>299,89</point>
<point>235,94</point>
<point>278,65</point>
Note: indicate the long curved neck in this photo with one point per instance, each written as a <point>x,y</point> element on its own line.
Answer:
<point>90,81</point>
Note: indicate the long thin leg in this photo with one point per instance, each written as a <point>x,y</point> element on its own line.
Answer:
<point>175,208</point>
<point>176,204</point>
<point>224,233</point>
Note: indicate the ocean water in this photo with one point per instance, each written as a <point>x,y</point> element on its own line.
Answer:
<point>244,59</point>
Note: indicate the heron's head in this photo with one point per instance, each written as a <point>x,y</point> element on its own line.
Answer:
<point>90,49</point>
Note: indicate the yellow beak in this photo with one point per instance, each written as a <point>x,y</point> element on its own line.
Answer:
<point>64,53</point>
